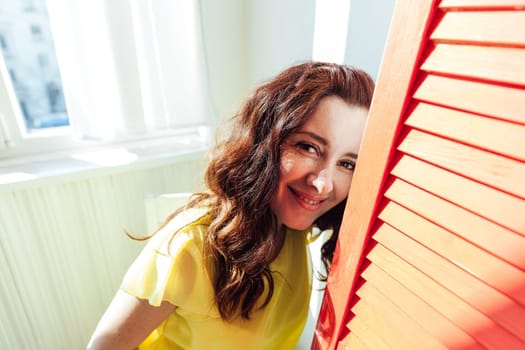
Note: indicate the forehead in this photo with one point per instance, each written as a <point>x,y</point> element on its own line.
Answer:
<point>337,122</point>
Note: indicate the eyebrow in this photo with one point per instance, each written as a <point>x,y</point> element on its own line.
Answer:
<point>324,141</point>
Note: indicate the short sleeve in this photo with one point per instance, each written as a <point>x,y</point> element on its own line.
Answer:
<point>170,267</point>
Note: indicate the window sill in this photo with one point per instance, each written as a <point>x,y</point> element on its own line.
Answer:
<point>110,159</point>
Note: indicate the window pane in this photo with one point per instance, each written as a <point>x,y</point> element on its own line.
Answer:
<point>29,53</point>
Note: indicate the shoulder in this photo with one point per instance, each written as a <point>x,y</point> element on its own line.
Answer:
<point>171,264</point>
<point>190,226</point>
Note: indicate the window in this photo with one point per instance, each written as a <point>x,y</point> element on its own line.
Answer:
<point>36,32</point>
<point>3,42</point>
<point>43,60</point>
<point>36,82</point>
<point>84,74</point>
<point>12,75</point>
<point>28,5</point>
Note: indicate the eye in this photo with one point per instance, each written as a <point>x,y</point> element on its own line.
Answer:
<point>349,165</point>
<point>307,147</point>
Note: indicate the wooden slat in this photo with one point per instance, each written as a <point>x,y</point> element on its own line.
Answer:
<point>489,27</point>
<point>481,4</point>
<point>488,168</point>
<point>491,302</point>
<point>499,64</point>
<point>434,323</point>
<point>491,270</point>
<point>410,22</point>
<point>487,133</point>
<point>368,333</point>
<point>495,205</point>
<point>472,321</point>
<point>352,342</point>
<point>365,329</point>
<point>501,102</point>
<point>493,238</point>
<point>390,322</point>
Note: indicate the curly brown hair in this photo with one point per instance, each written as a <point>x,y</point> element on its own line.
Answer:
<point>243,238</point>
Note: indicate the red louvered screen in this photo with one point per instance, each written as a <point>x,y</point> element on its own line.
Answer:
<point>432,250</point>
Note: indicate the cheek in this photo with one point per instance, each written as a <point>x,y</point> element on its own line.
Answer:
<point>294,164</point>
<point>287,164</point>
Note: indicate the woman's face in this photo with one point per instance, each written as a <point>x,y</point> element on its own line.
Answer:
<point>317,163</point>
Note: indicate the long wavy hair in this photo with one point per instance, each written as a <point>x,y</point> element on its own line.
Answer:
<point>243,237</point>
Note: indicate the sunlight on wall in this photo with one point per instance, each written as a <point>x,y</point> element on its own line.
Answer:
<point>114,157</point>
<point>15,177</point>
<point>330,29</point>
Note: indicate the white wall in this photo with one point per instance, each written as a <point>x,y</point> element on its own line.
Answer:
<point>368,27</point>
<point>280,35</point>
<point>248,42</point>
<point>227,56</point>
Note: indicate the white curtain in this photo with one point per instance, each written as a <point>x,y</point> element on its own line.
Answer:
<point>131,67</point>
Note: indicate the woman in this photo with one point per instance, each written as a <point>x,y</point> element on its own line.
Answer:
<point>231,269</point>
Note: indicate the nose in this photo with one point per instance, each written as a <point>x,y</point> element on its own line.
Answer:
<point>322,181</point>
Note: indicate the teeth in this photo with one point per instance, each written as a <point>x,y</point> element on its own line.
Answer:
<point>308,201</point>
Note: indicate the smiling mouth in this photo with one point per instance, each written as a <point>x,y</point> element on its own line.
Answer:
<point>306,200</point>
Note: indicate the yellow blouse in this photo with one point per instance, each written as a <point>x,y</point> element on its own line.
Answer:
<point>171,268</point>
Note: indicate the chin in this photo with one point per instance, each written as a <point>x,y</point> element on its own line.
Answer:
<point>299,226</point>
